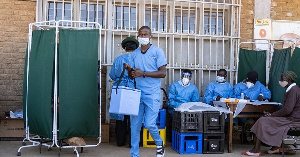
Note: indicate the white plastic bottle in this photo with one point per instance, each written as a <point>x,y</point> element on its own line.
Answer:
<point>242,96</point>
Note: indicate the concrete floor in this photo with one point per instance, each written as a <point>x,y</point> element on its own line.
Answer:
<point>10,148</point>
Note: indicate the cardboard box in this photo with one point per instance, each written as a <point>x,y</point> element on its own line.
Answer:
<point>12,127</point>
<point>105,133</point>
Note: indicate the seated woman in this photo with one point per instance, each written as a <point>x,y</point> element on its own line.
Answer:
<point>218,89</point>
<point>273,127</point>
<point>251,88</point>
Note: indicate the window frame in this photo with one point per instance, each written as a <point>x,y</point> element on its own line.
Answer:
<point>119,17</point>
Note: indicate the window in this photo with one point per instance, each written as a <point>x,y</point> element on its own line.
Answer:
<point>122,20</point>
<point>89,13</point>
<point>162,23</point>
<point>210,22</point>
<point>184,22</point>
<point>59,11</point>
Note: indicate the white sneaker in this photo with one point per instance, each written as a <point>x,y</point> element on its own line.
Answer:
<point>160,151</point>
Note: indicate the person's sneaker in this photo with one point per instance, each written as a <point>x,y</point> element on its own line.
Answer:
<point>160,151</point>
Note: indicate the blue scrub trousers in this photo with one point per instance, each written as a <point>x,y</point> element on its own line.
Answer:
<point>148,111</point>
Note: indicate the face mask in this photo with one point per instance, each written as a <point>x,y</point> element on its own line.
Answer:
<point>283,83</point>
<point>143,41</point>
<point>185,81</point>
<point>249,84</point>
<point>220,79</point>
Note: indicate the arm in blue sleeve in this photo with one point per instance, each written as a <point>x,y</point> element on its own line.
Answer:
<point>172,96</point>
<point>209,93</point>
<point>229,91</point>
<point>237,91</point>
<point>265,92</point>
<point>231,95</point>
<point>195,97</point>
<point>161,58</point>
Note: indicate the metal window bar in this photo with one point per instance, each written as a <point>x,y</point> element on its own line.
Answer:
<point>204,56</point>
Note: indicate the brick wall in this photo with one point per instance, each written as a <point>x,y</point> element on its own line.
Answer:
<point>14,19</point>
<point>280,10</point>
<point>247,18</point>
<point>285,10</point>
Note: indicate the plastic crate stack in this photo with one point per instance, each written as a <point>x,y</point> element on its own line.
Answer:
<point>187,131</point>
<point>161,124</point>
<point>213,136</point>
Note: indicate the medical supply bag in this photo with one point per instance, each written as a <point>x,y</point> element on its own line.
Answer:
<point>124,100</point>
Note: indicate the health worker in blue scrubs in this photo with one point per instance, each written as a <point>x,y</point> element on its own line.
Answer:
<point>149,66</point>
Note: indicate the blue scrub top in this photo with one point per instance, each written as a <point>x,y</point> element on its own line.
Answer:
<point>214,89</point>
<point>253,92</point>
<point>149,62</point>
<point>117,69</point>
<point>179,94</point>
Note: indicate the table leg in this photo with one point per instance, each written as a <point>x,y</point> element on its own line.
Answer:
<point>230,128</point>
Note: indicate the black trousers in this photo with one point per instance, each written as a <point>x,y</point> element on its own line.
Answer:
<point>122,129</point>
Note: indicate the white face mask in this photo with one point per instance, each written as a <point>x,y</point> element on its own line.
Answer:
<point>143,41</point>
<point>283,83</point>
<point>220,79</point>
<point>185,81</point>
<point>249,84</point>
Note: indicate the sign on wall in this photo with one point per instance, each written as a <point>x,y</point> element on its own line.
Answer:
<point>266,29</point>
<point>262,29</point>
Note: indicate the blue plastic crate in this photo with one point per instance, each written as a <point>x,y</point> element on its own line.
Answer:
<point>161,119</point>
<point>187,143</point>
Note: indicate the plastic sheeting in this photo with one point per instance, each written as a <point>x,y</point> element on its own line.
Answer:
<point>200,107</point>
<point>78,93</point>
<point>252,60</point>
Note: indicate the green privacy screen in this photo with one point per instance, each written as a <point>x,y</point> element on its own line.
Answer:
<point>78,94</point>
<point>294,64</point>
<point>280,62</point>
<point>252,60</point>
<point>40,82</point>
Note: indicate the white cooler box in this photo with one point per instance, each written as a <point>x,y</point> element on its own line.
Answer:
<point>126,101</point>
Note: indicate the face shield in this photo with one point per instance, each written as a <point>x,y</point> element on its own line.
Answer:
<point>185,78</point>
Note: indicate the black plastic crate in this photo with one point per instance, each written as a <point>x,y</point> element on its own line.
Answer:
<point>187,122</point>
<point>213,122</point>
<point>213,143</point>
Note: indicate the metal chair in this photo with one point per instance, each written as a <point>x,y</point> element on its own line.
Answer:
<point>293,138</point>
